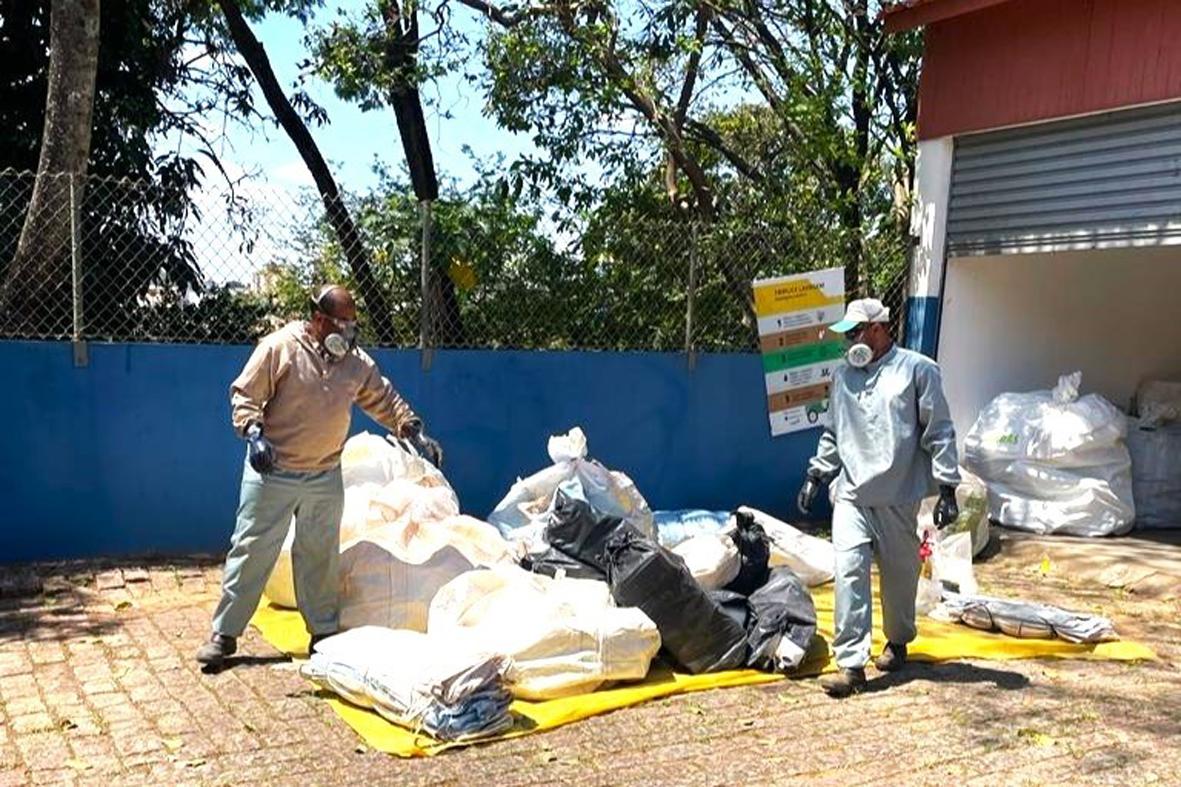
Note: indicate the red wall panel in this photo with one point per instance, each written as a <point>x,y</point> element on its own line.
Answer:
<point>1039,59</point>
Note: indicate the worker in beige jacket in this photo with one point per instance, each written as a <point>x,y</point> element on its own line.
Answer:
<point>292,403</point>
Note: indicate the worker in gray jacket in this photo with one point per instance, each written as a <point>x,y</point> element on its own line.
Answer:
<point>292,404</point>
<point>890,444</point>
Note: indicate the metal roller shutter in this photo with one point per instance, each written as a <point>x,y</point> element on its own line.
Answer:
<point>1102,181</point>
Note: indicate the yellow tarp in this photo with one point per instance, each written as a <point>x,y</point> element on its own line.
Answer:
<point>284,630</point>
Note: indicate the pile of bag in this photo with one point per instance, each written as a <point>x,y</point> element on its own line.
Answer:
<point>763,618</point>
<point>1054,462</point>
<point>563,636</point>
<point>523,513</point>
<point>694,535</point>
<point>402,538</point>
<point>418,682</point>
<point>1154,442</point>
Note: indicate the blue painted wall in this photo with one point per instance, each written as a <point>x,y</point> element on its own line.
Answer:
<point>134,454</point>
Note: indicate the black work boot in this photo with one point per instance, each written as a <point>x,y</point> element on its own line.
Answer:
<point>893,658</point>
<point>214,652</point>
<point>844,683</point>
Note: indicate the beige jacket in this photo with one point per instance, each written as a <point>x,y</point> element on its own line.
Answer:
<point>304,401</point>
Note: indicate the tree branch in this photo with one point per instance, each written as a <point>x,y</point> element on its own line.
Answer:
<point>709,136</point>
<point>694,66</point>
<point>255,55</point>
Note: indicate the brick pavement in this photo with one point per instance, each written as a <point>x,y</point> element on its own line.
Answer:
<point>98,686</point>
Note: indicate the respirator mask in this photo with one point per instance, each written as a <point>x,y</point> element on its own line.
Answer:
<point>343,339</point>
<point>859,353</point>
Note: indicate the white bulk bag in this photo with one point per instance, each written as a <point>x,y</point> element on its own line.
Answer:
<point>389,577</point>
<point>1054,462</point>
<point>383,483</point>
<point>563,635</point>
<point>811,558</point>
<point>712,559</point>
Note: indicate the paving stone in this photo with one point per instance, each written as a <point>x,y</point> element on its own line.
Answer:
<point>15,663</point>
<point>13,777</point>
<point>109,580</point>
<point>149,705</point>
<point>24,705</point>
<point>43,750</point>
<point>32,722</point>
<point>19,583</point>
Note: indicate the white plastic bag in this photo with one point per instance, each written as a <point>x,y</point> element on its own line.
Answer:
<point>1053,462</point>
<point>713,560</point>
<point>1156,475</point>
<point>563,635</point>
<point>521,514</point>
<point>972,497</point>
<point>811,558</point>
<point>950,562</point>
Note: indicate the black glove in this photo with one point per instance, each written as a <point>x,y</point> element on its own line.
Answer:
<point>259,449</point>
<point>808,492</point>
<point>946,510</point>
<point>428,448</point>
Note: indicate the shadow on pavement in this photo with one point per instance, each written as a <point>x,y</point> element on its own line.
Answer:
<point>949,672</point>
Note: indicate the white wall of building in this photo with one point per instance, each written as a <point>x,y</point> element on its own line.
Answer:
<point>1016,322</point>
<point>928,215</point>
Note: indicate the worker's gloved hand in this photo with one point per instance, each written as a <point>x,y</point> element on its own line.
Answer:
<point>259,450</point>
<point>946,510</point>
<point>427,447</point>
<point>808,492</point>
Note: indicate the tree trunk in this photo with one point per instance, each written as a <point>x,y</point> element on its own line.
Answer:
<point>40,271</point>
<point>849,175</point>
<point>445,324</point>
<point>252,51</point>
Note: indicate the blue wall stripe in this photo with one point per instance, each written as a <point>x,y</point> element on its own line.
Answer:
<point>134,453</point>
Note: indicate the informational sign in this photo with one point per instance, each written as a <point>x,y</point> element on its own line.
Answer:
<point>799,353</point>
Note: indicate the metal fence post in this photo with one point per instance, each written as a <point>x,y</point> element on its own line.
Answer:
<point>81,356</point>
<point>690,353</point>
<point>424,328</point>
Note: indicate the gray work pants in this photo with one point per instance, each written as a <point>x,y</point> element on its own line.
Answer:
<point>858,534</point>
<point>265,508</point>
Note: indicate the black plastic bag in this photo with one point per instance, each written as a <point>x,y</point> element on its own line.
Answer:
<point>781,608</point>
<point>754,550</point>
<point>581,532</point>
<point>734,605</point>
<point>695,630</point>
<point>553,561</point>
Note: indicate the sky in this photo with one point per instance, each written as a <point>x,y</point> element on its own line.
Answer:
<point>354,141</point>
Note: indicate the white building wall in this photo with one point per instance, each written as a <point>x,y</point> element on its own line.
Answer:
<point>1016,322</point>
<point>928,217</point>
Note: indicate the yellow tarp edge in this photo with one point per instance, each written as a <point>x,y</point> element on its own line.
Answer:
<point>937,642</point>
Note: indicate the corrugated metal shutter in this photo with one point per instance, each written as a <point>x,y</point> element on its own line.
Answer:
<point>1102,181</point>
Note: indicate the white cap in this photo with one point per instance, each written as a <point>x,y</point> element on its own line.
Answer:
<point>859,311</point>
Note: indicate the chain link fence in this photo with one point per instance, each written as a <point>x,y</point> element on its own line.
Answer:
<point>97,259</point>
